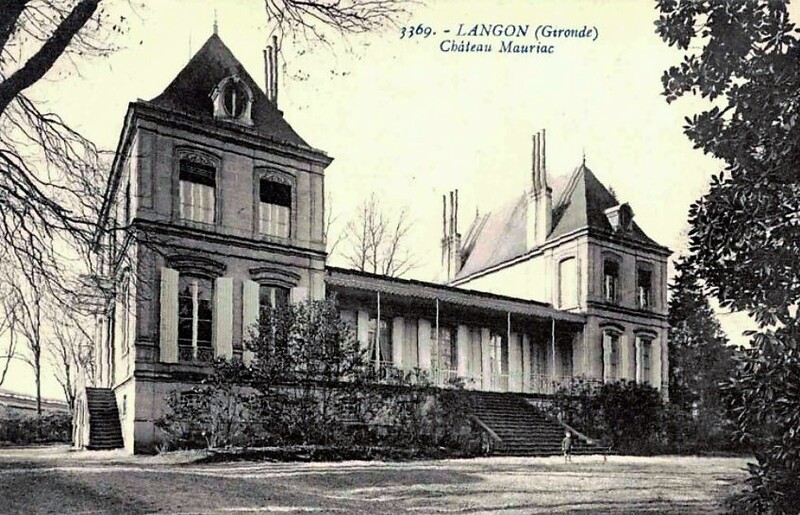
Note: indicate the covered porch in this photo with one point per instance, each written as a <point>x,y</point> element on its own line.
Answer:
<point>487,342</point>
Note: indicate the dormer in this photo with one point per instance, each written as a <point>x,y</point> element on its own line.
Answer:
<point>233,100</point>
<point>620,217</point>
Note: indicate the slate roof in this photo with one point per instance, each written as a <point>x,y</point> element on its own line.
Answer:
<point>579,202</point>
<point>190,92</point>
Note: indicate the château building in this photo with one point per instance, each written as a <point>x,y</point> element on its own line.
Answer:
<point>223,205</point>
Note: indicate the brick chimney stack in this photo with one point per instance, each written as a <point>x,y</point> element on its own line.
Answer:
<point>271,71</point>
<point>451,239</point>
<point>540,197</point>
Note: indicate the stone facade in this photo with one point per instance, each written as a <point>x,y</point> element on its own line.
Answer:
<point>219,206</point>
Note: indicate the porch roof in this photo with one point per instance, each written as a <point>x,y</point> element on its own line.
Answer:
<point>354,280</point>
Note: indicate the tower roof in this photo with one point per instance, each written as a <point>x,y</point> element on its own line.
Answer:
<point>580,201</point>
<point>190,92</point>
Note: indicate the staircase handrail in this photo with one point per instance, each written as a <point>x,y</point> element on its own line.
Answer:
<point>581,436</point>
<point>486,428</point>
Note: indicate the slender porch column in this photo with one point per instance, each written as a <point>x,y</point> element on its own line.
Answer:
<point>486,359</point>
<point>424,344</point>
<point>526,363</point>
<point>398,341</point>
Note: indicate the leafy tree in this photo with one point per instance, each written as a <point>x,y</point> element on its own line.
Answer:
<point>744,58</point>
<point>309,383</point>
<point>700,357</point>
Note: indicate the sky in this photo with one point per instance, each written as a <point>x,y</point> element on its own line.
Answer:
<point>408,122</point>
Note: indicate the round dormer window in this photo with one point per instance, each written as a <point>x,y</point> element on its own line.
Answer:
<point>235,98</point>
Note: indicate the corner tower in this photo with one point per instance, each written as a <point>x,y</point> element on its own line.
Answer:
<point>219,206</point>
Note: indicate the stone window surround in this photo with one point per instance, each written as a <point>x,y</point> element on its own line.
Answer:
<point>650,267</point>
<point>271,173</point>
<point>203,157</point>
<point>605,256</point>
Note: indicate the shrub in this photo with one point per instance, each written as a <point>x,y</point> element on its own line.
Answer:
<point>311,384</point>
<point>24,429</point>
<point>624,415</point>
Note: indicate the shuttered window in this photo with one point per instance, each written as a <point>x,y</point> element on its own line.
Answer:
<point>197,192</point>
<point>195,318</point>
<point>275,208</point>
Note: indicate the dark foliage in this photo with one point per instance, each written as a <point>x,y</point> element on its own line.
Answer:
<point>745,232</point>
<point>309,384</point>
<point>624,415</point>
<point>19,429</point>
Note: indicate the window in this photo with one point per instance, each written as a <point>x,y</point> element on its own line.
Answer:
<point>644,281</point>
<point>646,359</point>
<point>275,208</point>
<point>611,280</point>
<point>197,192</point>
<point>611,349</point>
<point>235,98</point>
<point>444,354</point>
<point>379,352</point>
<point>568,283</point>
<point>565,349</point>
<point>195,315</point>
<point>273,297</point>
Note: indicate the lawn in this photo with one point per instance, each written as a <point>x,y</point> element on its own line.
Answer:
<point>55,480</point>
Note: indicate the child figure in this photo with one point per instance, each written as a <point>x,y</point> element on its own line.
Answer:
<point>566,446</point>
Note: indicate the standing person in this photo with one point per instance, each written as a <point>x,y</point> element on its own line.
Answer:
<point>566,446</point>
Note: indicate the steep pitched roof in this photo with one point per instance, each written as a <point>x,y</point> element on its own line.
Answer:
<point>579,202</point>
<point>190,91</point>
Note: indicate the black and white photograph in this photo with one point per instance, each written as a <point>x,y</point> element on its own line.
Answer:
<point>399,256</point>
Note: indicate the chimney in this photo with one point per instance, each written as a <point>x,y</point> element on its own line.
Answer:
<point>540,197</point>
<point>451,239</point>
<point>271,71</point>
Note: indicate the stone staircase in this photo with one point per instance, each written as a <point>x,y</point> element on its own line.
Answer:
<point>105,431</point>
<point>522,429</point>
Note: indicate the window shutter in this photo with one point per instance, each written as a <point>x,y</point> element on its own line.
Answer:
<point>298,294</point>
<point>250,312</point>
<point>223,317</point>
<point>169,315</point>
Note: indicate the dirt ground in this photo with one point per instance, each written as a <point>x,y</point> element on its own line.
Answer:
<point>57,480</point>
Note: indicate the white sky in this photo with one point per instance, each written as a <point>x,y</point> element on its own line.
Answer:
<point>408,122</point>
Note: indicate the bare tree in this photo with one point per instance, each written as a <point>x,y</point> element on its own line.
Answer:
<point>316,19</point>
<point>378,241</point>
<point>29,300</point>
<point>71,352</point>
<point>51,181</point>
<point>7,325</point>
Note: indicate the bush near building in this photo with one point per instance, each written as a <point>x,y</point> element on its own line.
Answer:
<point>308,382</point>
<point>630,418</point>
<point>25,429</point>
